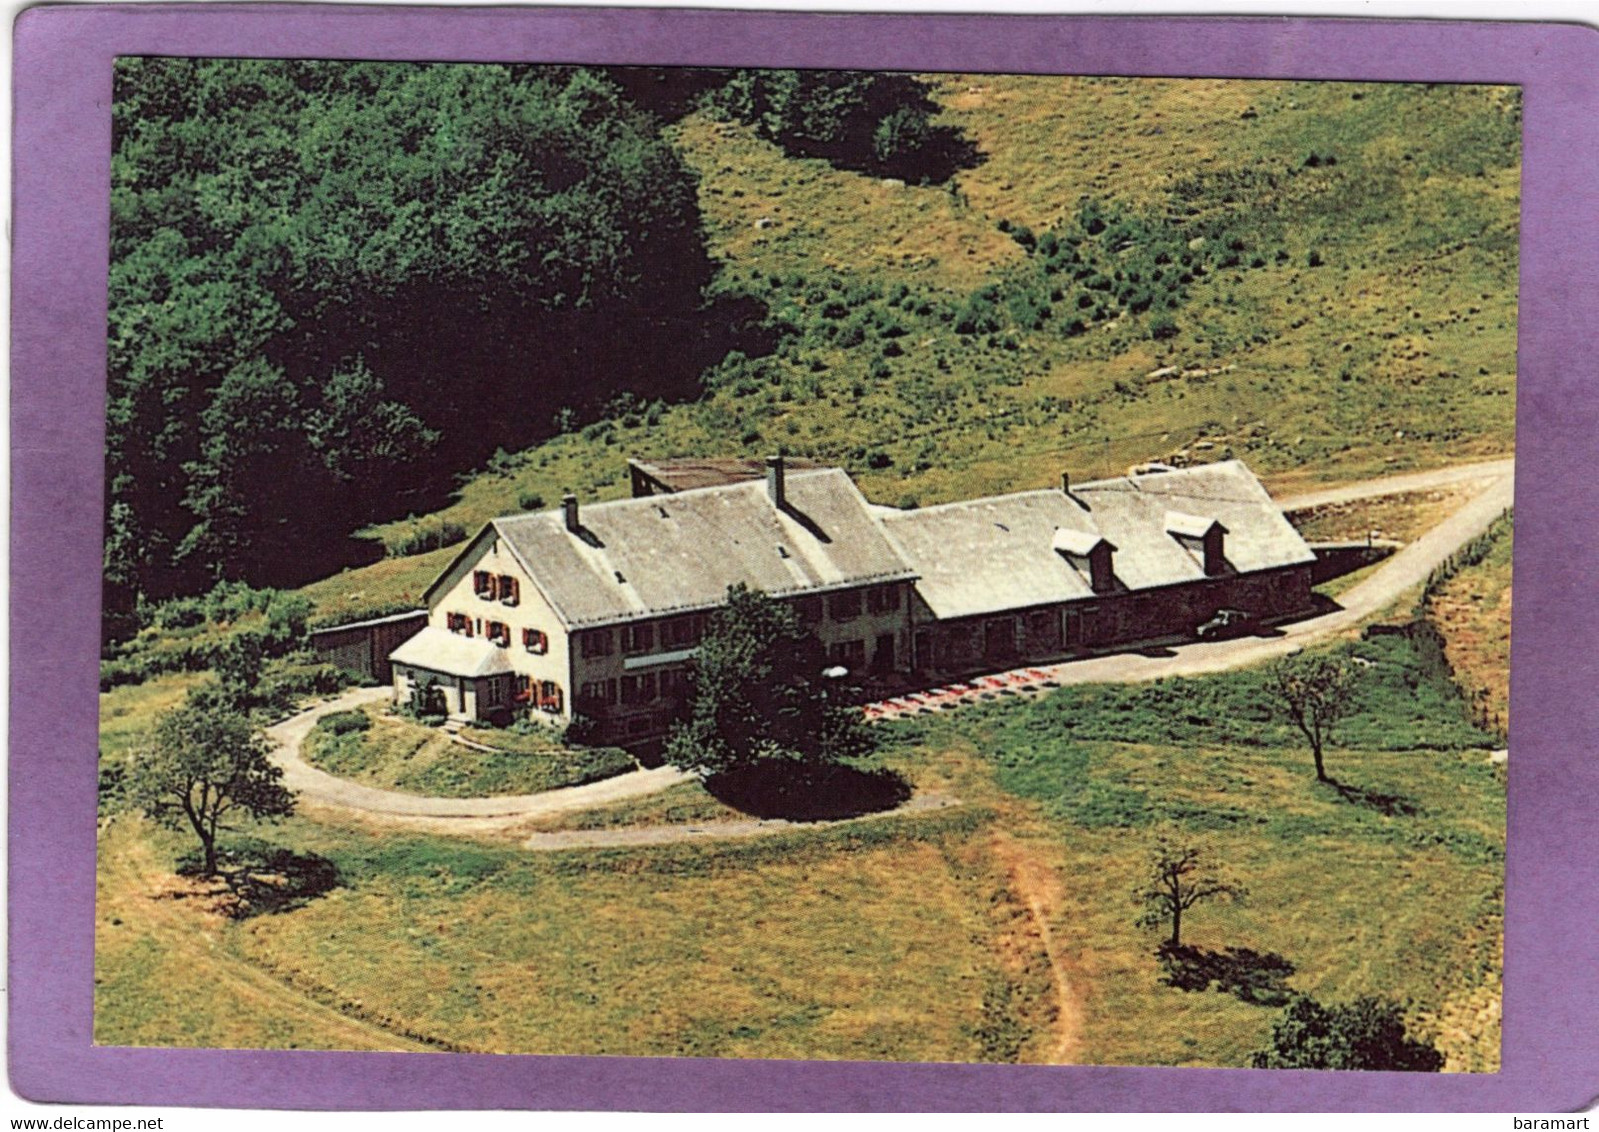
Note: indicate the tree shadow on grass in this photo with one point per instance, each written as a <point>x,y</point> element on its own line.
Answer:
<point>801,792</point>
<point>1256,977</point>
<point>1389,805</point>
<point>263,879</point>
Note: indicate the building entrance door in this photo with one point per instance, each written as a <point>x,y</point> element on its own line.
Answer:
<point>999,638</point>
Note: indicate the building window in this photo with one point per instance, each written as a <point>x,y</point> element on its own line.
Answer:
<point>550,697</point>
<point>599,693</point>
<point>809,611</point>
<point>598,642</point>
<point>522,690</point>
<point>510,590</point>
<point>483,584</point>
<point>673,683</point>
<point>498,632</point>
<point>638,689</point>
<point>851,654</point>
<point>681,632</point>
<point>844,606</point>
<point>458,623</point>
<point>883,599</point>
<point>638,638</point>
<point>534,640</point>
<point>492,693</point>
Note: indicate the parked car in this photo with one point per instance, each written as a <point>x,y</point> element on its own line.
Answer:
<point>1227,623</point>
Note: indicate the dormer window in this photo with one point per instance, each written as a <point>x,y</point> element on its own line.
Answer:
<point>1202,537</point>
<point>1090,548</point>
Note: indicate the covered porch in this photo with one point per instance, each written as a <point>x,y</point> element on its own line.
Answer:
<point>470,678</point>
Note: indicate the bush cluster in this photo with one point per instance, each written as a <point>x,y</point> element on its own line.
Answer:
<point>421,538</point>
<point>1105,263</point>
<point>344,722</point>
<point>194,634</point>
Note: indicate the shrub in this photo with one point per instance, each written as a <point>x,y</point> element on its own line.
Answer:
<point>1162,327</point>
<point>287,616</point>
<point>583,731</point>
<point>420,539</point>
<point>179,613</point>
<point>344,722</point>
<point>1365,1034</point>
<point>115,673</point>
<point>530,501</point>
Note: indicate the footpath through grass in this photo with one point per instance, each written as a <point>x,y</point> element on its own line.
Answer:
<point>1388,883</point>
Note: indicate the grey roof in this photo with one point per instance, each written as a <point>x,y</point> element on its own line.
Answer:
<point>665,553</point>
<point>986,555</point>
<point>439,650</point>
<point>686,473</point>
<point>368,623</point>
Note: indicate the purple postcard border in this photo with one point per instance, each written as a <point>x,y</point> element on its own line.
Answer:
<point>62,80</point>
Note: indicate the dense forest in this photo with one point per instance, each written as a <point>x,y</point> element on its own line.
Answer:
<point>335,286</point>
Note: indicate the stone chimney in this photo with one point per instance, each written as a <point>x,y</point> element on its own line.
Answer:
<point>1101,570</point>
<point>1215,553</point>
<point>774,481</point>
<point>569,509</point>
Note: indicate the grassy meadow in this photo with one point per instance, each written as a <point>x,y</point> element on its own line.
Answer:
<point>1319,278</point>
<point>1472,609</point>
<point>916,938</point>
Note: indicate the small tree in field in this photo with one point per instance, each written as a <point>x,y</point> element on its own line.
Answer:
<point>1315,692</point>
<point>203,764</point>
<point>1365,1034</point>
<point>1177,878</point>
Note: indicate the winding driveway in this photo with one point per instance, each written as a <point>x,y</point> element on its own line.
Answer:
<point>1406,569</point>
<point>319,786</point>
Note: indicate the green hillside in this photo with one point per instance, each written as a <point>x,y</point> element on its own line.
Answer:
<point>1319,278</point>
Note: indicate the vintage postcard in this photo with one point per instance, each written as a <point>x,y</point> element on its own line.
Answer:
<point>730,559</point>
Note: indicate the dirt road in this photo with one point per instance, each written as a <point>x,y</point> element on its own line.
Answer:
<point>1400,484</point>
<point>321,787</point>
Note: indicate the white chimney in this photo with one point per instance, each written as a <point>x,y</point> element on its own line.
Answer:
<point>774,480</point>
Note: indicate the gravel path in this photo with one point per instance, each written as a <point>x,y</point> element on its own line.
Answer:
<point>1397,485</point>
<point>319,786</point>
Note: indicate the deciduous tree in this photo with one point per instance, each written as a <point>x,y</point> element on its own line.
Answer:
<point>1177,878</point>
<point>758,695</point>
<point>301,251</point>
<point>1315,691</point>
<point>204,765</point>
